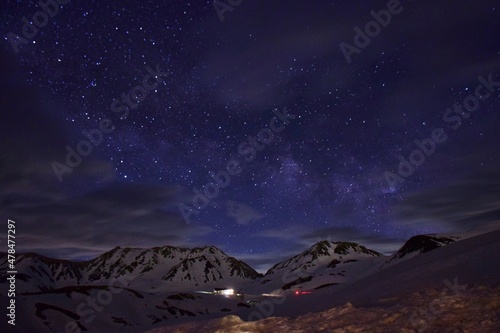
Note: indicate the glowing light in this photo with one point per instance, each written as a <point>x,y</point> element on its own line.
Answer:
<point>227,292</point>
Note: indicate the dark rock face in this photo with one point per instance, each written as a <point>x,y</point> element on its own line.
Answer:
<point>422,244</point>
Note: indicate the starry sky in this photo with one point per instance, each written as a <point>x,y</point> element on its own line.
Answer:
<point>178,94</point>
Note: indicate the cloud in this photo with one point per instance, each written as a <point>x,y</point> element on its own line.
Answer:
<point>90,212</point>
<point>261,262</point>
<point>302,238</point>
<point>117,215</point>
<point>374,241</point>
<point>466,204</point>
<point>296,239</point>
<point>243,214</point>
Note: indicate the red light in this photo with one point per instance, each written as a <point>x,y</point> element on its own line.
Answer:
<point>296,293</point>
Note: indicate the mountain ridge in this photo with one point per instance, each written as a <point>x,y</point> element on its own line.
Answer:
<point>327,271</point>
<point>170,267</point>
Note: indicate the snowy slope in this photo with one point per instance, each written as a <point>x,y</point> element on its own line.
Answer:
<point>420,244</point>
<point>325,263</point>
<point>157,286</point>
<point>453,288</point>
<point>472,261</point>
<point>122,311</point>
<point>39,273</point>
<point>385,301</point>
<point>476,310</point>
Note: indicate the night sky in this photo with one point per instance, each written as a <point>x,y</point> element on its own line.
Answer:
<point>184,94</point>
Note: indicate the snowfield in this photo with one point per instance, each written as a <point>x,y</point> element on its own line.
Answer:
<point>454,288</point>
<point>476,310</point>
<point>432,284</point>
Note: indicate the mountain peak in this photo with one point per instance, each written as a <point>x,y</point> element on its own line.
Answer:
<point>322,253</point>
<point>320,249</point>
<point>421,244</point>
<point>341,248</point>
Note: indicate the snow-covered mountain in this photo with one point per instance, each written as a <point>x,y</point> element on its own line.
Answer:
<point>325,263</point>
<point>176,269</point>
<point>159,285</point>
<point>160,268</point>
<point>455,268</point>
<point>173,268</point>
<point>324,254</point>
<point>420,244</point>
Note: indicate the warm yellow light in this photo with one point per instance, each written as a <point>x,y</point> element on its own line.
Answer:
<point>227,292</point>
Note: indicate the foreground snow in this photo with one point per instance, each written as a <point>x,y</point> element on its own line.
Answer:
<point>384,299</point>
<point>470,309</point>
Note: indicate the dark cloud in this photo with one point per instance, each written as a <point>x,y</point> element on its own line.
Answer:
<point>116,215</point>
<point>300,238</point>
<point>296,239</point>
<point>469,203</point>
<point>378,242</point>
<point>34,134</point>
<point>262,262</point>
<point>242,213</point>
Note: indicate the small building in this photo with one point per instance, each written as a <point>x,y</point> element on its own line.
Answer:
<point>224,291</point>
